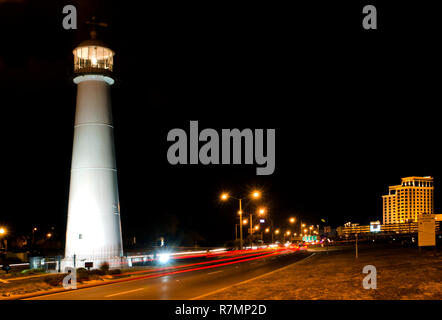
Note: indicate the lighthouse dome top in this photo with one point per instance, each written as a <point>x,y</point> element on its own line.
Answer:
<point>93,57</point>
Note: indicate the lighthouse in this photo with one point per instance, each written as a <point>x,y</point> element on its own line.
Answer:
<point>93,231</point>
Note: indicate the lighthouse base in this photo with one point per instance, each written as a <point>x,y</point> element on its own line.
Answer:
<point>92,262</point>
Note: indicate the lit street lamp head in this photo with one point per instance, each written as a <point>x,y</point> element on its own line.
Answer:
<point>292,220</point>
<point>256,194</point>
<point>224,196</point>
<point>2,231</point>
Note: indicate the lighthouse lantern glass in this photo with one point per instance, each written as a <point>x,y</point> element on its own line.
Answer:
<point>93,57</point>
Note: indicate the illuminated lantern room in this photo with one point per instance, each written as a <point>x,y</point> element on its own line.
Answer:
<point>93,57</point>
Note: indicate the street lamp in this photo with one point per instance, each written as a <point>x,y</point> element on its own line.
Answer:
<point>3,232</point>
<point>292,220</point>
<point>33,235</point>
<point>225,196</point>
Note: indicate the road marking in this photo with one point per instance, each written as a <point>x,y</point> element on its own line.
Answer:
<point>249,280</point>
<point>216,272</point>
<point>124,292</point>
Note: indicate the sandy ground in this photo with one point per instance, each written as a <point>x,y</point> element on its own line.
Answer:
<point>402,273</point>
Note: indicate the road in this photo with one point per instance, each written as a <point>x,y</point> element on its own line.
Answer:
<point>187,281</point>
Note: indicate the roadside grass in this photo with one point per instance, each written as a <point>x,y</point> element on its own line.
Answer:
<point>402,274</point>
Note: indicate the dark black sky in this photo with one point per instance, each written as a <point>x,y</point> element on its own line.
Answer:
<point>354,111</point>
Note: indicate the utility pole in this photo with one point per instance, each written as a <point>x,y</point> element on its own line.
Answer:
<point>251,229</point>
<point>356,245</point>
<point>240,224</point>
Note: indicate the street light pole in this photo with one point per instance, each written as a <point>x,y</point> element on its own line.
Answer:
<point>240,224</point>
<point>225,196</point>
<point>251,228</point>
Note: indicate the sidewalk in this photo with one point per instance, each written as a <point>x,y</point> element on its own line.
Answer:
<point>401,274</point>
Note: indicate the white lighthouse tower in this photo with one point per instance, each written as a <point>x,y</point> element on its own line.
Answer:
<point>93,227</point>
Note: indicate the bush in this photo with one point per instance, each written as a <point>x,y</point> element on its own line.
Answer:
<point>82,275</point>
<point>114,271</point>
<point>97,272</point>
<point>94,276</point>
<point>105,267</point>
<point>55,280</point>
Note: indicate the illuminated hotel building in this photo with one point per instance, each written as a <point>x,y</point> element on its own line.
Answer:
<point>406,201</point>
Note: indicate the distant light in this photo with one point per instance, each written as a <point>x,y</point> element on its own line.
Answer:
<point>2,231</point>
<point>224,196</point>
<point>261,220</point>
<point>256,194</point>
<point>292,220</point>
<point>164,257</point>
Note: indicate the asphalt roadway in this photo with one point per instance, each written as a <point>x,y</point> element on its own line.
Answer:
<point>187,282</point>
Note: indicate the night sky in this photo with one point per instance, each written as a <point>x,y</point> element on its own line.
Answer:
<point>354,110</point>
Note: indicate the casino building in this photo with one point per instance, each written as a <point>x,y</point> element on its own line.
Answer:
<point>404,202</point>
